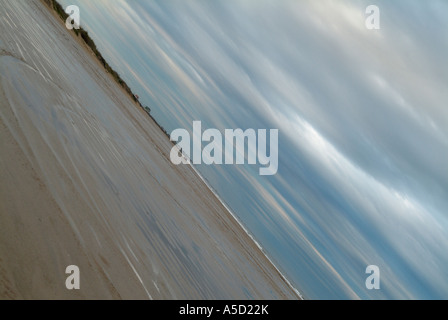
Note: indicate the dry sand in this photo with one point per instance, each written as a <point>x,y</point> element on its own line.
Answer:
<point>86,180</point>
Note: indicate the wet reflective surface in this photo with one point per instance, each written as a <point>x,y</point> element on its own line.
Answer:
<point>86,180</point>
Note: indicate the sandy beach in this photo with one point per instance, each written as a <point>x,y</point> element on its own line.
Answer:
<point>86,180</point>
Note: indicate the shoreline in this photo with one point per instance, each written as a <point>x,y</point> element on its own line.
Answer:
<point>96,158</point>
<point>192,166</point>
<point>240,223</point>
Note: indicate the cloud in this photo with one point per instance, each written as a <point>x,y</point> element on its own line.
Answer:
<point>362,117</point>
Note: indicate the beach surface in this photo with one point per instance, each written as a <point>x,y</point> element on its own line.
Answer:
<point>86,180</point>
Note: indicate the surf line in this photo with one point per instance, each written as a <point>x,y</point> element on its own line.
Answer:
<point>212,153</point>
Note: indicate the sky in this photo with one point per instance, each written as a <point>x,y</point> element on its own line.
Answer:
<point>362,118</point>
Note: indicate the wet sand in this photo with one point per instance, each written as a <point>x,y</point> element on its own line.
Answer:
<point>86,180</point>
